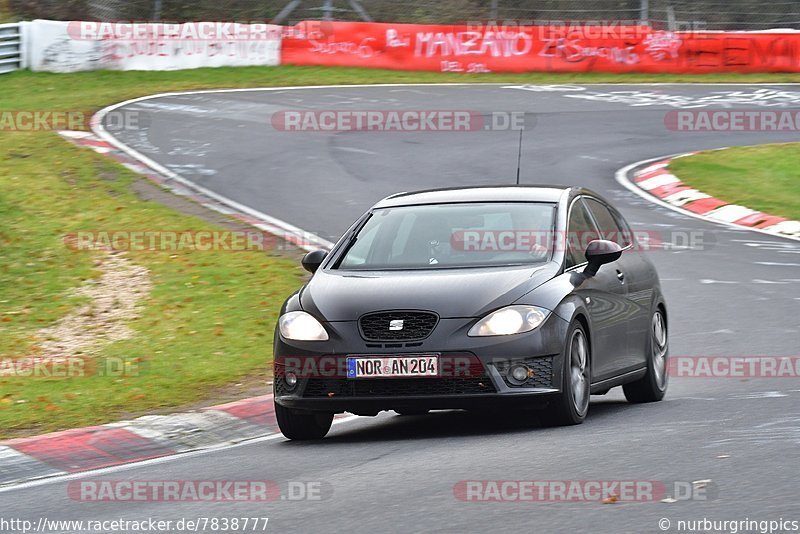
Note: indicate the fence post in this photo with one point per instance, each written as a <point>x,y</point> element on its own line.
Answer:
<point>157,4</point>
<point>644,12</point>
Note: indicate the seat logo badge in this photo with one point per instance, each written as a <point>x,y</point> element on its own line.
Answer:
<point>396,325</point>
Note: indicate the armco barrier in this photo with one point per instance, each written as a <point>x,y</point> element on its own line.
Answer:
<point>11,57</point>
<point>618,49</point>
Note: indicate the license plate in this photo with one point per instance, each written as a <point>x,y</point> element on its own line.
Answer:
<point>392,366</point>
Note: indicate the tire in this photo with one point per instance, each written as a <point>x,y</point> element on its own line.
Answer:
<point>572,404</point>
<point>411,412</point>
<point>652,386</point>
<point>300,426</point>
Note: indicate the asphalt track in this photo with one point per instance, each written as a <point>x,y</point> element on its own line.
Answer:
<point>737,296</point>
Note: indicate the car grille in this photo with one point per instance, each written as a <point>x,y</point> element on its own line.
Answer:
<point>416,325</point>
<point>280,387</point>
<point>397,387</point>
<point>542,371</point>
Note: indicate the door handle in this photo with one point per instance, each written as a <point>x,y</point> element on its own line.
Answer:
<point>620,276</point>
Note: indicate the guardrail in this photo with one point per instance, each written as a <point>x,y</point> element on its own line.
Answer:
<point>10,47</point>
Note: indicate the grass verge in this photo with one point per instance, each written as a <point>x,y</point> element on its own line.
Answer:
<point>764,178</point>
<point>207,324</point>
<point>5,12</point>
<point>92,90</point>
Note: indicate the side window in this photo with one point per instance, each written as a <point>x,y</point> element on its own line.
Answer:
<point>627,233</point>
<point>580,231</point>
<point>606,222</point>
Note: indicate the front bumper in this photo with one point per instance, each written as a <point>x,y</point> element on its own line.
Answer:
<point>324,386</point>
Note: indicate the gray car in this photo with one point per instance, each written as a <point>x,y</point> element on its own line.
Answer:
<point>480,298</point>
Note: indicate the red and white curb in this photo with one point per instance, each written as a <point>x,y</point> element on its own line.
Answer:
<point>145,438</point>
<point>653,179</point>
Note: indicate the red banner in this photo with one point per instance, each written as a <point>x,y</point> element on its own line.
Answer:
<point>537,48</point>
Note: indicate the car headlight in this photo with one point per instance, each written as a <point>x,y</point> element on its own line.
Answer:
<point>301,326</point>
<point>509,320</point>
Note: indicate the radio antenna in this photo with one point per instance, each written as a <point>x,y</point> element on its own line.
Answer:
<point>519,155</point>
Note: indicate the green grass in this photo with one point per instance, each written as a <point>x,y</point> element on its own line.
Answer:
<point>5,12</point>
<point>92,90</point>
<point>209,320</point>
<point>207,323</point>
<point>764,178</point>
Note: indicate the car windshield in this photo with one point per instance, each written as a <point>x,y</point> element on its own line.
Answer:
<point>452,235</point>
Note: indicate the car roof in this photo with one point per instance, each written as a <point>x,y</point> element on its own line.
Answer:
<point>489,193</point>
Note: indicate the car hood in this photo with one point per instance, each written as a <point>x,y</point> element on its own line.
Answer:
<point>346,295</point>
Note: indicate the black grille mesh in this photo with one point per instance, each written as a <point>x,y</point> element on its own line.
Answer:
<point>397,387</point>
<point>542,371</point>
<point>416,325</point>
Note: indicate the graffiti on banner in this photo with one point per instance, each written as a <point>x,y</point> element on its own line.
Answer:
<point>536,48</point>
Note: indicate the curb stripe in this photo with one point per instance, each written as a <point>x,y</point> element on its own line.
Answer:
<point>658,181</point>
<point>786,229</point>
<point>704,205</point>
<point>193,430</point>
<point>730,213</point>
<point>760,220</point>
<point>258,410</point>
<point>89,448</point>
<point>669,189</point>
<point>146,438</point>
<point>641,177</point>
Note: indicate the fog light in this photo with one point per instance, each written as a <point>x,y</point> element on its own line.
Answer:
<point>518,374</point>
<point>291,381</point>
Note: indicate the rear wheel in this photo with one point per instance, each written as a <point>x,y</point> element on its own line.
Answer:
<point>302,426</point>
<point>572,404</point>
<point>653,385</point>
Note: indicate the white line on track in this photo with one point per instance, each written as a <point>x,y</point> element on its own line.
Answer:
<point>317,241</point>
<point>154,461</point>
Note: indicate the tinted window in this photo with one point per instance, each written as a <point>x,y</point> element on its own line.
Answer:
<point>580,232</point>
<point>606,222</point>
<point>627,233</point>
<point>453,235</point>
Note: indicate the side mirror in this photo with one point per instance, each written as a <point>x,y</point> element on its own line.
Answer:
<point>313,260</point>
<point>598,253</point>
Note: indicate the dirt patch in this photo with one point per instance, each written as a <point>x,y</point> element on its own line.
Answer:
<point>113,301</point>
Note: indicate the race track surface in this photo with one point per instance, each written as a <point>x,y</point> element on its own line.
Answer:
<point>737,296</point>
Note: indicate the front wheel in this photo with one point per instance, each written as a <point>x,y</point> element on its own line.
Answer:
<point>572,403</point>
<point>301,426</point>
<point>653,385</point>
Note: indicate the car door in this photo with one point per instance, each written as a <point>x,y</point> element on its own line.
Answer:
<point>641,279</point>
<point>605,295</point>
<point>628,271</point>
